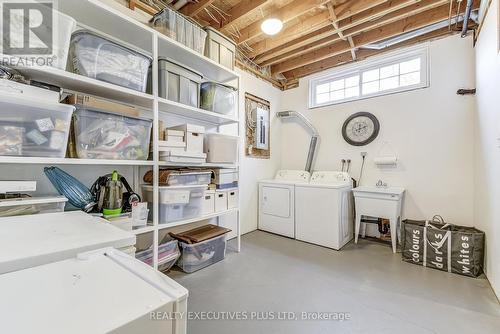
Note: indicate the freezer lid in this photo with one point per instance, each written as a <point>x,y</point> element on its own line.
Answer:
<point>90,293</point>
<point>33,240</point>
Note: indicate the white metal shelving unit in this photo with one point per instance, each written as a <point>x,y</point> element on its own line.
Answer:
<point>102,17</point>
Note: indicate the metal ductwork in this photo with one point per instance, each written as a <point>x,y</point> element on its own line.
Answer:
<point>468,11</point>
<point>419,32</point>
<point>315,134</point>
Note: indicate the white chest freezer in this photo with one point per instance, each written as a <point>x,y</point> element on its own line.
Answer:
<point>33,240</point>
<point>103,291</point>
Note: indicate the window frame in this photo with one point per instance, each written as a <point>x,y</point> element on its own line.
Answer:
<point>420,51</point>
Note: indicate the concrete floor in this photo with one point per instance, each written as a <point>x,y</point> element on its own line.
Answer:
<point>380,293</point>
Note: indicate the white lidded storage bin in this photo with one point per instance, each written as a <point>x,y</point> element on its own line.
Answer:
<point>225,178</point>
<point>31,205</point>
<point>221,148</point>
<point>178,83</point>
<point>220,201</point>
<point>102,135</point>
<point>194,136</point>
<point>209,202</point>
<point>98,57</point>
<point>220,48</point>
<point>177,203</point>
<point>58,31</point>
<point>218,98</point>
<point>33,128</point>
<point>232,198</point>
<point>203,254</point>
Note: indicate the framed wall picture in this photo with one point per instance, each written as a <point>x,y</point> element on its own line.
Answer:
<point>257,123</point>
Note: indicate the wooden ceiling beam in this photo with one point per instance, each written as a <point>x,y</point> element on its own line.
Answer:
<point>286,13</point>
<point>361,55</point>
<point>373,32</point>
<point>240,10</point>
<point>194,8</point>
<point>286,43</point>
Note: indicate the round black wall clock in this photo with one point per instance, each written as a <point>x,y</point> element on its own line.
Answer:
<point>360,129</point>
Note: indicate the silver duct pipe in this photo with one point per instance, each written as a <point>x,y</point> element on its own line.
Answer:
<point>468,11</point>
<point>315,134</point>
<point>419,32</point>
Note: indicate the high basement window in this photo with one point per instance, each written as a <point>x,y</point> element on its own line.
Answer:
<point>394,73</point>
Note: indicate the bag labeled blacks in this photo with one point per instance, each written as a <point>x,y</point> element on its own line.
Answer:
<point>446,247</point>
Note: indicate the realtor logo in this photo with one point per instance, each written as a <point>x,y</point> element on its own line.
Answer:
<point>27,29</point>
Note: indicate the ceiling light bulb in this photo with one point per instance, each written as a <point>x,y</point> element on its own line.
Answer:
<point>271,26</point>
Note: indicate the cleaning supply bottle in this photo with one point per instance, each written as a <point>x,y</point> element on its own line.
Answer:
<point>113,196</point>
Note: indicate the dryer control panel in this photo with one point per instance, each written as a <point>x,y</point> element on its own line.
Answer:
<point>293,175</point>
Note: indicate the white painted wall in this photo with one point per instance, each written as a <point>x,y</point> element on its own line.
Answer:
<point>430,129</point>
<point>487,176</point>
<point>253,170</point>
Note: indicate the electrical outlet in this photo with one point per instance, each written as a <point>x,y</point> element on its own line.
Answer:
<point>364,154</point>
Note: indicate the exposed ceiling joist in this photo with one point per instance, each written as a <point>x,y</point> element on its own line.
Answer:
<point>286,13</point>
<point>361,54</point>
<point>286,43</point>
<point>194,8</point>
<point>374,34</point>
<point>240,10</point>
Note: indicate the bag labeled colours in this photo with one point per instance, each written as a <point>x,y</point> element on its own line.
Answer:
<point>447,247</point>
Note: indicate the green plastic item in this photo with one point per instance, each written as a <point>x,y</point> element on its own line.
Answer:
<point>113,196</point>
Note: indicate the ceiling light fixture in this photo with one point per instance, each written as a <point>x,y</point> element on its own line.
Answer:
<point>271,26</point>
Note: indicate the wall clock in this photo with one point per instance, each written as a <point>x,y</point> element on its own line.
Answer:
<point>360,129</point>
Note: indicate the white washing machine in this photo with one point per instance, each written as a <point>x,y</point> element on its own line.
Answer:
<point>324,210</point>
<point>277,202</point>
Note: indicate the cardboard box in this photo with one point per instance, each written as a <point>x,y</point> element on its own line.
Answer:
<point>102,104</point>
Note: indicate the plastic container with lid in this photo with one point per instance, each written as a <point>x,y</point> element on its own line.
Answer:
<point>189,178</point>
<point>32,205</point>
<point>218,98</point>
<point>220,48</point>
<point>201,255</point>
<point>177,203</point>
<point>199,39</point>
<point>178,83</point>
<point>102,135</point>
<point>165,22</point>
<point>168,254</point>
<point>98,57</point>
<point>33,128</point>
<point>221,148</point>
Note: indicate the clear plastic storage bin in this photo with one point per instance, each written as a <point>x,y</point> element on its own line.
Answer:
<point>201,255</point>
<point>32,128</point>
<point>168,254</point>
<point>177,203</point>
<point>101,135</point>
<point>189,178</point>
<point>31,206</point>
<point>166,22</point>
<point>97,57</point>
<point>199,39</point>
<point>218,98</point>
<point>178,83</point>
